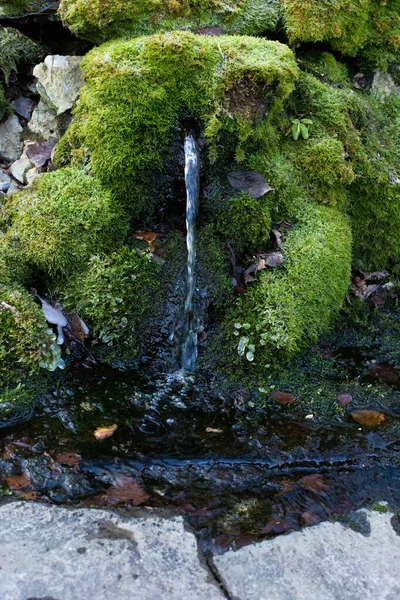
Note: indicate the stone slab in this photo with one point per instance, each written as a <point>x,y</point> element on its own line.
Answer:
<point>326,562</point>
<point>87,554</point>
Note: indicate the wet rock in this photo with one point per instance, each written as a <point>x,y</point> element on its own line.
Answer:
<point>44,122</point>
<point>86,553</point>
<point>39,153</point>
<point>23,107</point>
<point>19,168</point>
<point>11,145</point>
<point>325,562</point>
<point>59,81</point>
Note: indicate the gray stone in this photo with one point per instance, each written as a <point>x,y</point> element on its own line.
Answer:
<point>326,562</point>
<point>23,106</point>
<point>383,85</point>
<point>84,554</point>
<point>4,182</point>
<point>31,175</point>
<point>59,79</point>
<point>11,139</point>
<point>19,168</point>
<point>44,122</point>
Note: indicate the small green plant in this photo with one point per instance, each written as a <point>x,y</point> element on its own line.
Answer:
<point>300,126</point>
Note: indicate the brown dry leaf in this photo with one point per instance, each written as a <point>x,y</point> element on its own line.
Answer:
<point>371,418</point>
<point>26,495</point>
<point>213,430</point>
<point>69,459</point>
<point>17,482</point>
<point>344,400</point>
<point>147,236</point>
<point>126,489</point>
<point>102,433</point>
<point>283,397</point>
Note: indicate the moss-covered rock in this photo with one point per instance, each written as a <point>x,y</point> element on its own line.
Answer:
<point>116,295</point>
<point>369,27</point>
<point>137,92</point>
<point>17,8</point>
<point>17,50</point>
<point>59,222</point>
<point>99,20</point>
<point>291,306</point>
<point>5,106</point>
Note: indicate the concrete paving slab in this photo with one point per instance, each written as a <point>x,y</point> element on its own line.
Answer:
<point>326,562</point>
<point>86,554</point>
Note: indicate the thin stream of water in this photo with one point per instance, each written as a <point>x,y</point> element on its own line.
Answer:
<point>192,180</point>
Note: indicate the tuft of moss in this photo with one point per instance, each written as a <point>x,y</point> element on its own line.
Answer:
<point>100,20</point>
<point>16,50</point>
<point>115,295</point>
<point>26,342</point>
<point>138,91</point>
<point>62,220</point>
<point>369,27</point>
<point>289,307</point>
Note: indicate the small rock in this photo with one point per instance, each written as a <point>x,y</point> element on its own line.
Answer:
<point>59,81</point>
<point>44,122</point>
<point>4,182</point>
<point>384,86</point>
<point>344,400</point>
<point>31,175</point>
<point>359,81</point>
<point>19,168</point>
<point>11,145</point>
<point>40,152</point>
<point>23,107</point>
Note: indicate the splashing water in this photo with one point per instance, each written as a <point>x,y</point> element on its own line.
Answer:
<point>192,180</point>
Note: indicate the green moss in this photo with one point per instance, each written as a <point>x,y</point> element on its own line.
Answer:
<point>137,92</point>
<point>5,106</point>
<point>381,508</point>
<point>26,342</point>
<point>350,26</point>
<point>246,222</point>
<point>326,170</point>
<point>291,306</point>
<point>99,20</point>
<point>62,220</point>
<point>14,8</point>
<point>16,49</point>
<point>324,66</point>
<point>115,295</point>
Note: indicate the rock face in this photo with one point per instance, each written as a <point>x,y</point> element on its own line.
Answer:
<point>384,86</point>
<point>327,562</point>
<point>44,122</point>
<point>59,81</point>
<point>11,139</point>
<point>69,554</point>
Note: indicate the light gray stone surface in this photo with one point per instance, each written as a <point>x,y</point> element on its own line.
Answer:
<point>59,79</point>
<point>88,554</point>
<point>11,138</point>
<point>326,562</point>
<point>44,122</point>
<point>383,85</point>
<point>19,168</point>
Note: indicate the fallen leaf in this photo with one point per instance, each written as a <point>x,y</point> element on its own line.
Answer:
<point>344,400</point>
<point>102,433</point>
<point>26,495</point>
<point>283,397</point>
<point>126,489</point>
<point>147,236</point>
<point>39,153</point>
<point>249,181</point>
<point>371,418</point>
<point>213,430</point>
<point>69,459</point>
<point>16,482</point>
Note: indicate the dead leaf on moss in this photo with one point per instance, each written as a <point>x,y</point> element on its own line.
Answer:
<point>102,433</point>
<point>344,400</point>
<point>249,181</point>
<point>17,482</point>
<point>69,459</point>
<point>283,397</point>
<point>370,418</point>
<point>149,237</point>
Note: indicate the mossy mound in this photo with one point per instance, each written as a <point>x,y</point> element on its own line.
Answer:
<point>26,342</point>
<point>59,222</point>
<point>99,20</point>
<point>291,306</point>
<point>116,295</point>
<point>17,8</point>
<point>367,27</point>
<point>137,92</point>
<point>17,50</point>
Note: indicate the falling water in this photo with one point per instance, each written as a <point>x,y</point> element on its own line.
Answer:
<point>192,180</point>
